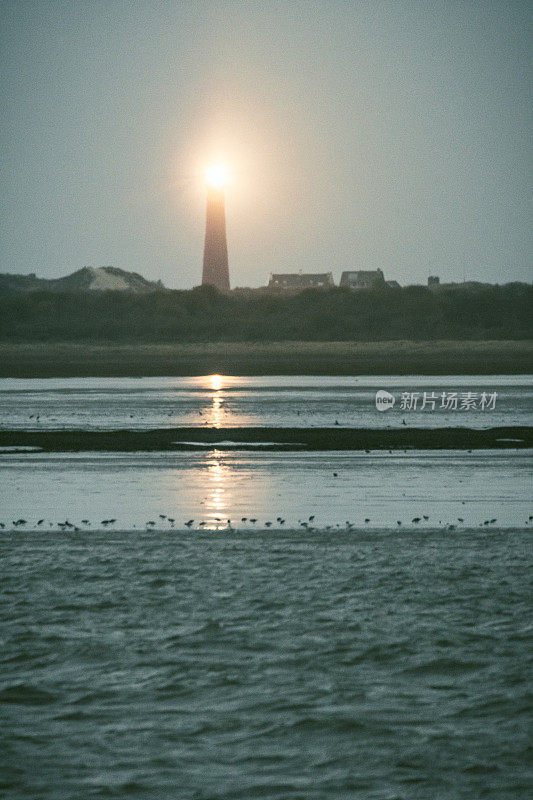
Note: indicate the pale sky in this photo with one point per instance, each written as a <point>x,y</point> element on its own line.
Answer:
<point>357,134</point>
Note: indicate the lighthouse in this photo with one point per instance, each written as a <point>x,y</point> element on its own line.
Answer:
<point>215,268</point>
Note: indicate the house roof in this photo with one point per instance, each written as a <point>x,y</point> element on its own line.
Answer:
<point>362,273</point>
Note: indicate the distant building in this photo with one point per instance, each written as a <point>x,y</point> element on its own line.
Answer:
<point>215,267</point>
<point>393,284</point>
<point>301,280</point>
<point>362,279</point>
<point>433,280</point>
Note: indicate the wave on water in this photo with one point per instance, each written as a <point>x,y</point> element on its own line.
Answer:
<point>227,444</point>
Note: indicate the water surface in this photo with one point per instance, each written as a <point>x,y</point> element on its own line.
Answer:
<point>230,625</point>
<point>238,401</point>
<point>376,489</point>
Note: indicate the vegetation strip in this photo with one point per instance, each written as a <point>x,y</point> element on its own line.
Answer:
<point>462,311</point>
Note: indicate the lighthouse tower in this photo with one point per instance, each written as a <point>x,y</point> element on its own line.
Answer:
<point>215,269</point>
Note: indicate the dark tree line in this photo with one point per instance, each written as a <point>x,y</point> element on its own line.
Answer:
<point>203,314</point>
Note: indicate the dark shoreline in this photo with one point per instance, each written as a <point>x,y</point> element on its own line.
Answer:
<point>402,357</point>
<point>176,439</point>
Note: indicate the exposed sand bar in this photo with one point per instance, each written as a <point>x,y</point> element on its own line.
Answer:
<point>70,359</point>
<point>270,439</point>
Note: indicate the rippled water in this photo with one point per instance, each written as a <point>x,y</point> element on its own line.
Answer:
<point>265,665</point>
<point>232,401</point>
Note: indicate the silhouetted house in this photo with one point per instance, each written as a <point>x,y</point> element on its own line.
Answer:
<point>393,284</point>
<point>301,280</point>
<point>363,279</point>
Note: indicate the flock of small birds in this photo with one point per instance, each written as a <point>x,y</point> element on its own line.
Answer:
<point>220,523</point>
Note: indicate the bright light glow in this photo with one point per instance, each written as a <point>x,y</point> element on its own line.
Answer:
<point>216,176</point>
<point>216,382</point>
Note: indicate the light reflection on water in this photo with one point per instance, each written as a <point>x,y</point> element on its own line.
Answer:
<point>217,503</point>
<point>215,418</point>
<point>215,413</point>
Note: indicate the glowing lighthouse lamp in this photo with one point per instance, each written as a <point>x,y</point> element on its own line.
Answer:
<point>215,270</point>
<point>216,176</point>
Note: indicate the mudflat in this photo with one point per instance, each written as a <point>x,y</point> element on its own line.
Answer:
<point>82,359</point>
